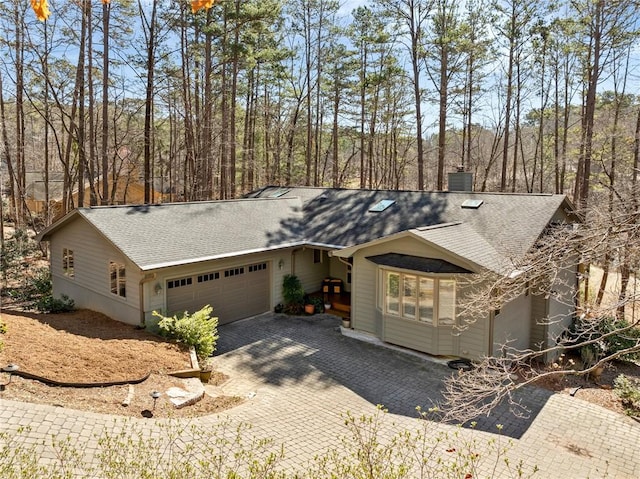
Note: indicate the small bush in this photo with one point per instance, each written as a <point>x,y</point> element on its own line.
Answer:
<point>292,290</point>
<point>198,330</point>
<point>628,391</point>
<point>49,304</point>
<point>40,282</point>
<point>36,292</point>
<point>626,337</point>
<point>621,337</point>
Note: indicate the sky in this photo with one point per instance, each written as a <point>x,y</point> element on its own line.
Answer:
<point>349,5</point>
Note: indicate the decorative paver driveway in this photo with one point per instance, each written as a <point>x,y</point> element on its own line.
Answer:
<point>300,376</point>
<point>311,352</point>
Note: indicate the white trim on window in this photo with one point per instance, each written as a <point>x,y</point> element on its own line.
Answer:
<point>118,279</point>
<point>416,297</point>
<point>67,263</point>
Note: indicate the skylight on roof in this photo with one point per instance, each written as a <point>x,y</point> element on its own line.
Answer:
<point>279,192</point>
<point>472,204</point>
<point>381,206</point>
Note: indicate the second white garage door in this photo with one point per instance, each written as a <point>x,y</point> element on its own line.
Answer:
<point>234,293</point>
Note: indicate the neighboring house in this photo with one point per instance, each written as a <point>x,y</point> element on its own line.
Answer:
<point>35,195</point>
<point>129,190</point>
<point>403,255</point>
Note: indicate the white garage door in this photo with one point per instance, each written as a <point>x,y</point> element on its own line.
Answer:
<point>234,293</point>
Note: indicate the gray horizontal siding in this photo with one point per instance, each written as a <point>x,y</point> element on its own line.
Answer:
<point>90,287</point>
<point>363,297</point>
<point>409,334</point>
<point>310,274</point>
<point>538,328</point>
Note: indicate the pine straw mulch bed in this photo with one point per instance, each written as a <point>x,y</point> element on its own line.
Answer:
<point>598,390</point>
<point>86,347</point>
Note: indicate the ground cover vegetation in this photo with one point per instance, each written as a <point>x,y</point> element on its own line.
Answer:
<point>186,450</point>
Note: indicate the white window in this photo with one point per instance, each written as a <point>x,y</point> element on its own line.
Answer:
<point>426,299</point>
<point>421,298</point>
<point>409,296</point>
<point>67,262</point>
<point>118,279</point>
<point>392,298</point>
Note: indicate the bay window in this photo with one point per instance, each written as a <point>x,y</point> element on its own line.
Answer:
<point>427,299</point>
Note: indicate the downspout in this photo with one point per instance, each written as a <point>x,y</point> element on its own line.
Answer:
<point>492,317</point>
<point>349,269</point>
<point>293,259</point>
<point>342,260</point>
<point>145,279</point>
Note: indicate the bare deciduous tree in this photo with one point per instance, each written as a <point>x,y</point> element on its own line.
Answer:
<point>597,333</point>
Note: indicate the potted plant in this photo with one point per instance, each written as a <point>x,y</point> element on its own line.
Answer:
<point>318,305</point>
<point>313,305</point>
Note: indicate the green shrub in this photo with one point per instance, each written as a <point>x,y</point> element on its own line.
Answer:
<point>40,282</point>
<point>198,330</point>
<point>627,337</point>
<point>292,291</point>
<point>609,336</point>
<point>49,304</point>
<point>628,391</point>
<point>35,291</point>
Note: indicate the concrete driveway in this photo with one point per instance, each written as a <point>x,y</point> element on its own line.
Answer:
<point>300,376</point>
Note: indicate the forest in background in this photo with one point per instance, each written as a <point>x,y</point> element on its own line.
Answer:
<point>391,94</point>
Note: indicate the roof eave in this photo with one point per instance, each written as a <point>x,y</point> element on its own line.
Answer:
<point>231,254</point>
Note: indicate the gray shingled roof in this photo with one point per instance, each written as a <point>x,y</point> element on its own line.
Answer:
<point>417,263</point>
<point>462,240</point>
<point>510,223</point>
<point>155,236</point>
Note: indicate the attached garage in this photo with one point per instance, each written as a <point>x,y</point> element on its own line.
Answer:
<point>234,293</point>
